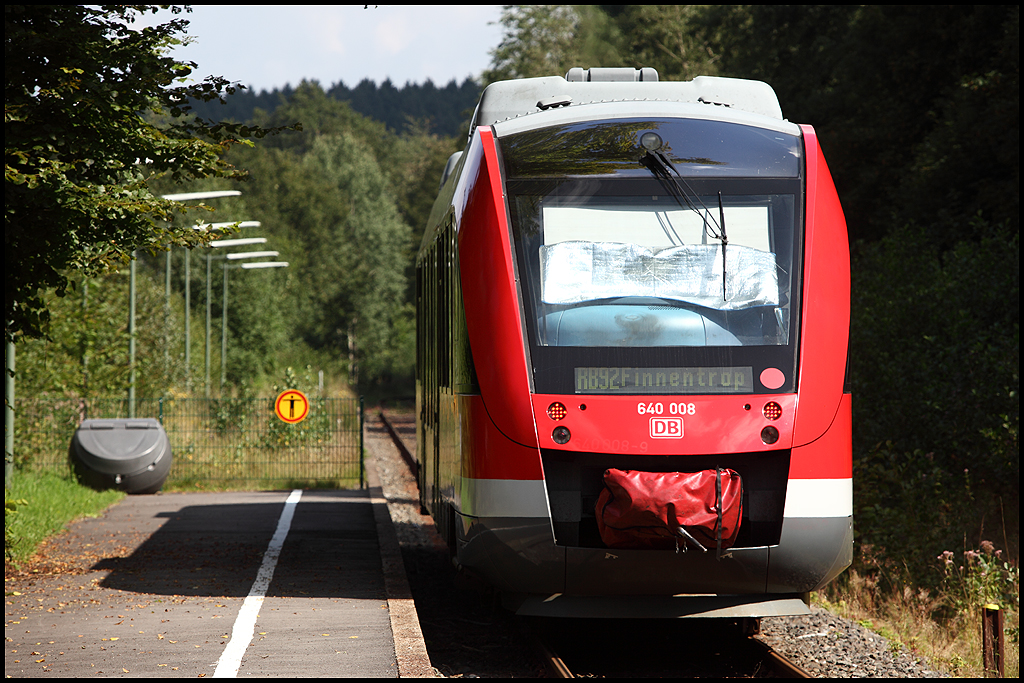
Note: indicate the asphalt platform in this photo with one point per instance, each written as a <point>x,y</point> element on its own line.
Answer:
<point>177,585</point>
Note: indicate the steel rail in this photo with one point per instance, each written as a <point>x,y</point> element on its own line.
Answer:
<point>783,667</point>
<point>414,466</point>
<point>552,662</point>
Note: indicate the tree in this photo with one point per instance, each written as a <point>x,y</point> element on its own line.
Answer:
<point>548,40</point>
<point>87,354</point>
<point>335,199</point>
<point>94,110</point>
<point>670,38</point>
<point>376,239</point>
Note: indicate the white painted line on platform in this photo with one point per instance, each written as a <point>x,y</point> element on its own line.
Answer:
<point>245,622</point>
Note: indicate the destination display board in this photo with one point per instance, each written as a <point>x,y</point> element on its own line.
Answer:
<point>619,380</point>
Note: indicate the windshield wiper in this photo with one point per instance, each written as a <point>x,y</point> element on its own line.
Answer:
<point>659,165</point>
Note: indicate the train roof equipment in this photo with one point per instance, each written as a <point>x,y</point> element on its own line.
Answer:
<point>620,89</point>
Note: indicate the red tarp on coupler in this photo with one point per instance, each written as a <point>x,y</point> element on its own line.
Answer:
<point>663,510</point>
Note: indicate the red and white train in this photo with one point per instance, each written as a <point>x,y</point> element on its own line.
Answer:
<point>622,273</point>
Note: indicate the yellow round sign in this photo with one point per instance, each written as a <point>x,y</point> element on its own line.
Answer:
<point>292,406</point>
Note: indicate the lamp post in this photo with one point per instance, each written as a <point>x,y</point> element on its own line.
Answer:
<point>9,416</point>
<point>131,337</point>
<point>224,321</point>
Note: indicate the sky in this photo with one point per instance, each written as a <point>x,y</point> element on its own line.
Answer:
<point>268,46</point>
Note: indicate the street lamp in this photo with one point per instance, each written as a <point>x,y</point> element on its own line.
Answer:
<point>240,242</point>
<point>250,254</point>
<point>210,194</point>
<point>206,227</point>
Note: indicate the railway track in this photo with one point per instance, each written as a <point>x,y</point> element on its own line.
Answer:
<point>639,649</point>
<point>407,456</point>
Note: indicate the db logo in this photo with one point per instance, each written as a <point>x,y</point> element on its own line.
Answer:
<point>666,427</point>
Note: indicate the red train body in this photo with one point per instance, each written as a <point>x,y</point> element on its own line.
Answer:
<point>669,264</point>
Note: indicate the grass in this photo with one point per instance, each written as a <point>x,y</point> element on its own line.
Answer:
<point>40,504</point>
<point>943,627</point>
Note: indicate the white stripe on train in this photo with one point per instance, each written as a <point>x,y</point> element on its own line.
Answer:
<point>528,498</point>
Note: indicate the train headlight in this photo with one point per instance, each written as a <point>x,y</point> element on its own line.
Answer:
<point>769,435</point>
<point>772,410</point>
<point>556,411</point>
<point>561,435</point>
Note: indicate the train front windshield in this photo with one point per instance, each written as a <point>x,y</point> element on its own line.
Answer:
<point>665,249</point>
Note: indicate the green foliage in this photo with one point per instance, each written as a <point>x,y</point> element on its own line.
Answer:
<point>79,84</point>
<point>335,195</point>
<point>417,160</point>
<point>674,39</point>
<point>935,350</point>
<point>548,40</point>
<point>375,238</point>
<point>935,374</point>
<point>232,414</point>
<point>321,115</point>
<point>11,506</point>
<point>257,322</point>
<point>87,353</point>
<point>443,110</point>
<point>680,41</point>
<point>906,506</point>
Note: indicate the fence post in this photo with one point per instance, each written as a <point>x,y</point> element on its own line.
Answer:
<point>9,416</point>
<point>992,641</point>
<point>361,452</point>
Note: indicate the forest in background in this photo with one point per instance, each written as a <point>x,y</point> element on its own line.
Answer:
<point>439,110</point>
<point>917,112</point>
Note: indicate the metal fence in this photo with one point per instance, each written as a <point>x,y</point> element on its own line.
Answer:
<point>216,443</point>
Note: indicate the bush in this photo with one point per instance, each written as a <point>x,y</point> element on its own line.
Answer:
<point>935,351</point>
<point>935,377</point>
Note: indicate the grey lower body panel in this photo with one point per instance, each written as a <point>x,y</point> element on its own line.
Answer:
<point>812,552</point>
<point>603,571</point>
<point>514,554</point>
